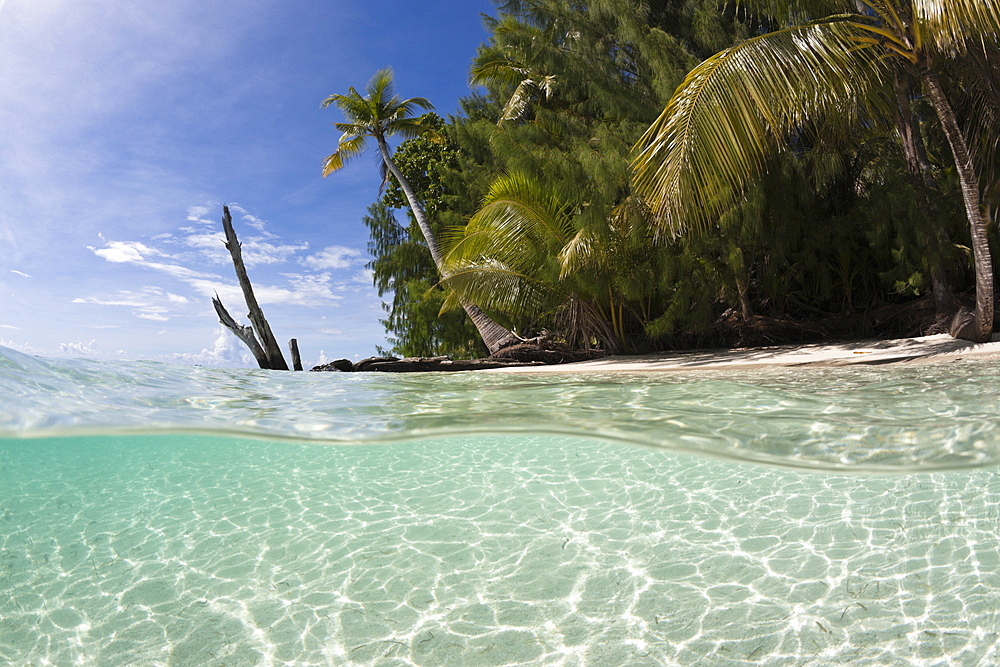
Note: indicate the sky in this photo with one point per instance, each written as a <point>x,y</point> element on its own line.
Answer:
<point>126,125</point>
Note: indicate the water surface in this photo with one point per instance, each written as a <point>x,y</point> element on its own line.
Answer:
<point>152,514</point>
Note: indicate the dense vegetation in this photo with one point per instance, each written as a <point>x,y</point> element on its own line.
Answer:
<point>845,217</point>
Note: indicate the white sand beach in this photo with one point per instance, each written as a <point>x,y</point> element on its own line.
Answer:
<point>940,347</point>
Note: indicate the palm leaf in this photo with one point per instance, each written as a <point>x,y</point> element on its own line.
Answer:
<point>381,87</point>
<point>950,24</point>
<point>505,258</point>
<point>493,67</point>
<point>731,112</point>
<point>349,147</point>
<point>495,286</point>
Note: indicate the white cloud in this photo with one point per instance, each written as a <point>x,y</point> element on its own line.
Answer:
<point>124,299</point>
<point>332,257</point>
<point>257,223</point>
<point>212,240</point>
<point>210,246</point>
<point>23,348</point>
<point>133,252</point>
<point>20,273</point>
<point>364,277</point>
<point>226,350</point>
<point>304,291</point>
<point>181,272</point>
<point>120,252</point>
<point>150,303</point>
<point>8,326</point>
<point>78,349</point>
<point>257,251</point>
<point>198,213</point>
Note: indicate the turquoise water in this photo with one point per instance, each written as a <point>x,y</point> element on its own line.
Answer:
<point>161,515</point>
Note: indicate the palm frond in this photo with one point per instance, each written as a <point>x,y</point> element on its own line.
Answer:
<point>408,107</point>
<point>406,127</point>
<point>519,205</point>
<point>579,252</point>
<point>516,234</point>
<point>353,129</point>
<point>349,147</point>
<point>950,24</point>
<point>518,102</point>
<point>495,286</point>
<point>381,86</point>
<point>493,67</point>
<point>524,94</point>
<point>355,108</point>
<point>730,113</point>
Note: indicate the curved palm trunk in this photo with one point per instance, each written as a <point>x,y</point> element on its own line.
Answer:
<point>982,329</point>
<point>493,335</point>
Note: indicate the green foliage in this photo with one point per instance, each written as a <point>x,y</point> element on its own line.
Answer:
<point>531,186</point>
<point>423,160</point>
<point>402,265</point>
<point>842,74</point>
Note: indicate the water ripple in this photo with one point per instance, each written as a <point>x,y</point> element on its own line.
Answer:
<point>872,419</point>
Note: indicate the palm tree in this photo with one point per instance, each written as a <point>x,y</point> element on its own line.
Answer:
<point>379,115</point>
<point>529,255</point>
<point>493,66</point>
<point>735,109</point>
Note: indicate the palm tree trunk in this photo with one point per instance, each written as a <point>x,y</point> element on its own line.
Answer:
<point>493,335</point>
<point>921,177</point>
<point>983,328</point>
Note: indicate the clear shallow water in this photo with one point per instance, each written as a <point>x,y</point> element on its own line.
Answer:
<point>494,520</point>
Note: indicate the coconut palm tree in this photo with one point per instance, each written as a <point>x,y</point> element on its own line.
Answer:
<point>735,109</point>
<point>379,115</point>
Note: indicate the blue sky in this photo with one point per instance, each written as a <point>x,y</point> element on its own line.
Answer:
<point>124,127</point>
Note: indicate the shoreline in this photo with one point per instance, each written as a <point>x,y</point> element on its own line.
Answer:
<point>922,349</point>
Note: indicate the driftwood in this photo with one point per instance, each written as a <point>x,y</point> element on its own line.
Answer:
<point>293,345</point>
<point>540,351</point>
<point>245,334</point>
<point>263,345</point>
<point>419,365</point>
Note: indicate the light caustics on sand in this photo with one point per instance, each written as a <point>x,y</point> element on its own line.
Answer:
<point>466,547</point>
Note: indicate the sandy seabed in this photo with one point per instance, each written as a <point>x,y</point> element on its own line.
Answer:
<point>495,550</point>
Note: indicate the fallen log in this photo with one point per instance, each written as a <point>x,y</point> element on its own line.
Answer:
<point>419,365</point>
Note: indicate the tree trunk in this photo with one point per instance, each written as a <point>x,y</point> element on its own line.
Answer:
<point>493,335</point>
<point>921,176</point>
<point>983,328</point>
<point>272,352</point>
